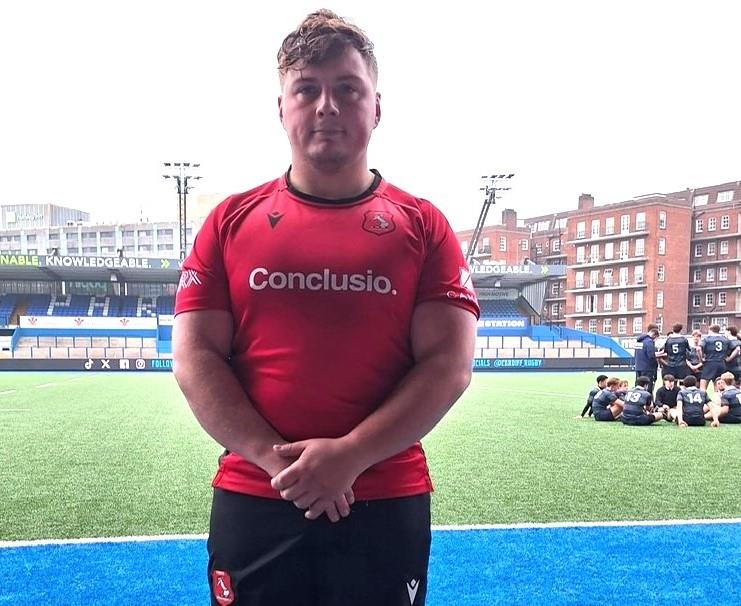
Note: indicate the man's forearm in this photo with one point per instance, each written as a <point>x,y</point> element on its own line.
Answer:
<point>223,409</point>
<point>419,402</point>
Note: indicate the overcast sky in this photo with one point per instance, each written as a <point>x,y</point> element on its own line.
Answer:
<point>615,99</point>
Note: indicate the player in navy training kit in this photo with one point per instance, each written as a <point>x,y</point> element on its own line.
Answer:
<point>676,348</point>
<point>637,403</point>
<point>692,404</point>
<point>714,350</point>
<point>694,357</point>
<point>587,410</point>
<point>729,410</point>
<point>733,359</point>
<point>606,406</point>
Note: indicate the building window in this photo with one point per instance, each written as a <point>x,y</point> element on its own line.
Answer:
<point>710,275</point>
<point>638,274</point>
<point>711,248</point>
<point>659,299</point>
<point>640,221</point>
<point>640,247</point>
<point>660,273</point>
<point>712,224</point>
<point>607,276</point>
<point>502,244</point>
<point>698,250</point>
<point>721,299</point>
<point>624,249</point>
<point>623,301</point>
<point>662,246</point>
<point>554,289</point>
<point>700,200</point>
<point>524,245</point>
<point>578,324</point>
<point>610,225</point>
<point>595,228</point>
<point>697,275</point>
<point>722,274</point>
<point>593,278</point>
<point>695,324</point>
<point>625,224</point>
<point>709,299</point>
<point>623,276</point>
<point>695,300</point>
<point>725,196</point>
<point>593,325</point>
<point>622,326</point>
<point>607,326</point>
<point>556,245</point>
<point>725,222</point>
<point>722,322</point>
<point>581,230</point>
<point>143,233</point>
<point>699,225</point>
<point>485,246</point>
<point>579,304</point>
<point>724,247</point>
<point>662,219</point>
<point>607,302</point>
<point>638,299</point>
<point>579,279</point>
<point>609,250</point>
<point>554,310</point>
<point>580,250</point>
<point>637,325</point>
<point>594,253</point>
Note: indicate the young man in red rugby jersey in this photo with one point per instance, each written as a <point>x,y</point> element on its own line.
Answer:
<point>325,322</point>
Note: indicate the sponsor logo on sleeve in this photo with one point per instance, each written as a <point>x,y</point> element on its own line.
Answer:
<point>188,278</point>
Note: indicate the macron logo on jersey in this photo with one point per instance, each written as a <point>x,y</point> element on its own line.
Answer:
<point>188,278</point>
<point>262,278</point>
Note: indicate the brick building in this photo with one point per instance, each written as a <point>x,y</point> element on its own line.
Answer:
<point>661,258</point>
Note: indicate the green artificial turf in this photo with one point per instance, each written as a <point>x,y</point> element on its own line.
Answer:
<point>88,455</point>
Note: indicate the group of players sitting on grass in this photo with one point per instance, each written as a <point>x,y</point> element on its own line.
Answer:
<point>687,368</point>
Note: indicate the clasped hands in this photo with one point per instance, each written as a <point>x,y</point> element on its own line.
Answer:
<point>320,477</point>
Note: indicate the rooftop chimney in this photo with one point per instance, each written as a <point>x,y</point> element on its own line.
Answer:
<point>509,218</point>
<point>586,202</point>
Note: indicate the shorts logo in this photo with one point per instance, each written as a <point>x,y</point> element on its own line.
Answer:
<point>188,278</point>
<point>378,222</point>
<point>222,587</point>
<point>412,587</point>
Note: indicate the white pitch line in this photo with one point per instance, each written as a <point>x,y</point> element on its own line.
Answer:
<point>47,385</point>
<point>15,410</point>
<point>442,528</point>
<point>7,393</point>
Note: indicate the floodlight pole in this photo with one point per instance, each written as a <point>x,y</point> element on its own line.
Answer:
<point>180,171</point>
<point>490,189</point>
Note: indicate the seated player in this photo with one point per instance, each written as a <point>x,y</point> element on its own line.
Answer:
<point>676,348</point>
<point>623,388</point>
<point>638,402</point>
<point>666,395</point>
<point>587,410</point>
<point>729,409</point>
<point>692,404</point>
<point>606,406</point>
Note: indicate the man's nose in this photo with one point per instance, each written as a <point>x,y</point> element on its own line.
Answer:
<point>327,104</point>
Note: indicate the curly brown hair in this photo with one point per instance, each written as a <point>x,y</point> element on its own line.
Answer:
<point>320,36</point>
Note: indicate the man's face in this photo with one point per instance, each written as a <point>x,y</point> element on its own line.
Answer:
<point>329,111</point>
<point>669,385</point>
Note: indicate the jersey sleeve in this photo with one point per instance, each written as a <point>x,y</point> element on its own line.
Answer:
<point>203,280</point>
<point>445,274</point>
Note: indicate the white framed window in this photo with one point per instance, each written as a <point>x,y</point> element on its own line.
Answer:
<point>712,224</point>
<point>725,222</point>
<point>637,325</point>
<point>625,224</point>
<point>638,299</point>
<point>710,274</point>
<point>660,273</point>
<point>623,276</point>
<point>725,196</point>
<point>724,247</point>
<point>662,246</point>
<point>697,275</point>
<point>595,228</point>
<point>556,245</point>
<point>580,250</point>
<point>607,302</point>
<point>578,324</point>
<point>554,289</point>
<point>720,321</point>
<point>610,226</point>
<point>659,299</point>
<point>624,244</point>
<point>622,326</point>
<point>609,250</point>
<point>640,221</point>
<point>579,279</point>
<point>709,299</point>
<point>721,299</point>
<point>640,247</point>
<point>502,243</point>
<point>699,223</point>
<point>594,253</point>
<point>695,300</point>
<point>594,278</point>
<point>700,200</point>
<point>524,245</point>
<point>581,230</point>
<point>722,274</point>
<point>623,301</point>
<point>607,276</point>
<point>696,324</point>
<point>638,274</point>
<point>554,310</point>
<point>662,219</point>
<point>579,304</point>
<point>711,248</point>
<point>698,250</point>
<point>593,325</point>
<point>607,326</point>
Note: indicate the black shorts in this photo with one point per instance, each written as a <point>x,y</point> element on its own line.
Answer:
<point>603,415</point>
<point>712,370</point>
<point>639,420</point>
<point>694,421</point>
<point>729,418</point>
<point>264,552</point>
<point>678,372</point>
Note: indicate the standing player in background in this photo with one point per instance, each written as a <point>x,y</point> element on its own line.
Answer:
<point>714,348</point>
<point>675,349</point>
<point>733,359</point>
<point>325,322</point>
<point>638,401</point>
<point>694,355</point>
<point>601,382</point>
<point>646,357</point>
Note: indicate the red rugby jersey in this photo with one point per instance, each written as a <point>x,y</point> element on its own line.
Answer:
<point>322,296</point>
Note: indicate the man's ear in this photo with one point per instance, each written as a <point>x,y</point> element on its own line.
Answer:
<point>280,108</point>
<point>378,108</point>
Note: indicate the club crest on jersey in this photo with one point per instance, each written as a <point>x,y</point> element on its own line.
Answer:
<point>222,587</point>
<point>378,222</point>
